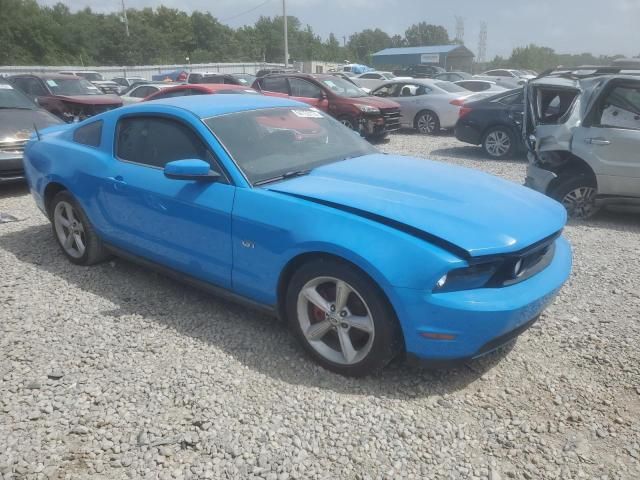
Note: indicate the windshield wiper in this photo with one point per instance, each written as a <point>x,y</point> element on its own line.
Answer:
<point>291,174</point>
<point>15,108</point>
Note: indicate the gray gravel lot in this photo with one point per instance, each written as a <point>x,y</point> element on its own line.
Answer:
<point>116,372</point>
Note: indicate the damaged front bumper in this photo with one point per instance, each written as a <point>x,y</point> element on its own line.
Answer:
<point>538,178</point>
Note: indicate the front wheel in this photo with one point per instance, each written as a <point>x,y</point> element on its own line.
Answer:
<point>341,318</point>
<point>578,195</point>
<point>73,231</point>
<point>427,123</point>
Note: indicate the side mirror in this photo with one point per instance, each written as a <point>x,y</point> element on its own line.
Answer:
<point>191,169</point>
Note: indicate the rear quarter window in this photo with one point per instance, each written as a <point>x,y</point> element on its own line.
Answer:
<point>90,135</point>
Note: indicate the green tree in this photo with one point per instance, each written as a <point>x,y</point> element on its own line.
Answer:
<point>367,42</point>
<point>422,34</point>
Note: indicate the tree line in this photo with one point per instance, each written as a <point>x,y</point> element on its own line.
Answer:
<point>33,34</point>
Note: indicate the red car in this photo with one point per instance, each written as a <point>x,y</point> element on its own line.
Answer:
<point>69,97</point>
<point>200,89</point>
<point>373,117</point>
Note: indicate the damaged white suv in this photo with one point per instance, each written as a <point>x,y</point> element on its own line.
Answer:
<point>582,130</point>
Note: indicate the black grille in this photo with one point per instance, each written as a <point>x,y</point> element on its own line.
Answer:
<point>13,173</point>
<point>391,118</point>
<point>13,147</point>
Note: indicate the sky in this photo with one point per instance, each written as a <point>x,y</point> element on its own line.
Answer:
<point>568,26</point>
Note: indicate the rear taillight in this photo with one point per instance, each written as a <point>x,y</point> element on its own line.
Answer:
<point>458,102</point>
<point>464,111</point>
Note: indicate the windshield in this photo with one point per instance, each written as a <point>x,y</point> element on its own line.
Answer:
<point>72,86</point>
<point>449,87</point>
<point>341,87</point>
<point>269,143</point>
<point>91,76</point>
<point>12,98</point>
<point>389,76</point>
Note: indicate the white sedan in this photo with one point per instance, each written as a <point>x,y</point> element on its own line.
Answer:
<point>370,80</point>
<point>142,91</point>
<point>426,105</point>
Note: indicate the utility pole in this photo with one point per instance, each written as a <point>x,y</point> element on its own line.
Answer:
<point>286,37</point>
<point>482,44</point>
<point>125,20</point>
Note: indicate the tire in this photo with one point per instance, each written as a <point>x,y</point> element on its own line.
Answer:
<point>348,122</point>
<point>577,194</point>
<point>73,231</point>
<point>359,340</point>
<point>498,143</point>
<point>427,122</point>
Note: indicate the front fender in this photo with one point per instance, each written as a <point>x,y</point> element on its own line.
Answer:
<point>271,229</point>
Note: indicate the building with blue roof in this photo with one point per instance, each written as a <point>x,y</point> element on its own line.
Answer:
<point>449,57</point>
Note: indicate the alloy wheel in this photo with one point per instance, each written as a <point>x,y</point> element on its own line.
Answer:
<point>497,143</point>
<point>335,320</point>
<point>581,202</point>
<point>69,229</point>
<point>426,123</point>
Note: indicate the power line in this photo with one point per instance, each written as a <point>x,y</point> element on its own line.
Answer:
<point>244,13</point>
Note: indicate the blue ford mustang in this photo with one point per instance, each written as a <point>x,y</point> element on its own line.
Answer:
<point>266,200</point>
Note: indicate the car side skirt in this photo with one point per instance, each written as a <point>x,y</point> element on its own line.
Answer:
<point>220,292</point>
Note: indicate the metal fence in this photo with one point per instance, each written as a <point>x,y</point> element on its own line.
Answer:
<point>144,71</point>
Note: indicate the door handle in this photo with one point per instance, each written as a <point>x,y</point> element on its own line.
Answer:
<point>598,141</point>
<point>118,182</point>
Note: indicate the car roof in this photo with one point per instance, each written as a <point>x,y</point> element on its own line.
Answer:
<point>45,76</point>
<point>223,104</point>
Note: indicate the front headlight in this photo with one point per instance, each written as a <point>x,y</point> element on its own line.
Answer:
<point>466,278</point>
<point>367,108</point>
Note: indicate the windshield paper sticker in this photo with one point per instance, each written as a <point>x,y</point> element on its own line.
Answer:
<point>307,113</point>
<point>52,83</point>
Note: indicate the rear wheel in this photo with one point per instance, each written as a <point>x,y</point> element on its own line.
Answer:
<point>578,195</point>
<point>341,318</point>
<point>74,233</point>
<point>427,122</point>
<point>498,143</point>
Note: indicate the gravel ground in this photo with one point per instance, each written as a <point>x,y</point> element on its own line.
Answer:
<point>116,372</point>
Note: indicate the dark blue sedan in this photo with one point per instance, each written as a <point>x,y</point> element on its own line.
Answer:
<point>271,202</point>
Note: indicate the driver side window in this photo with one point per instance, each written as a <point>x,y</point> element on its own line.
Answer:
<point>304,89</point>
<point>386,90</point>
<point>155,141</point>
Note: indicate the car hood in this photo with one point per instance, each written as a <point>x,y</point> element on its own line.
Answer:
<point>17,124</point>
<point>91,99</point>
<point>478,213</point>
<point>376,102</point>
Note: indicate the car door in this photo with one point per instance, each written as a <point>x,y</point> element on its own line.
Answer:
<point>182,224</point>
<point>412,98</point>
<point>370,80</point>
<point>307,92</point>
<point>609,139</point>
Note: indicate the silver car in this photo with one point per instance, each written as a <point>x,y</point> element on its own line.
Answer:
<point>426,105</point>
<point>142,90</point>
<point>582,130</point>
